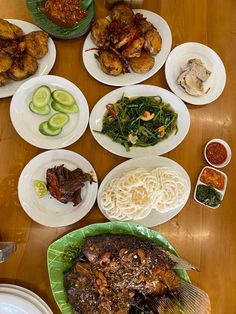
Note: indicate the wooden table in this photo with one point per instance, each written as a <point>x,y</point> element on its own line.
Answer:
<point>203,236</point>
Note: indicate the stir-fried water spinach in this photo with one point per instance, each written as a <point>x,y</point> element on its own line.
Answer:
<point>141,121</point>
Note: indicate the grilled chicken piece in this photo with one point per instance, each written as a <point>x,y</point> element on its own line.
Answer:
<point>142,64</point>
<point>153,42</point>
<point>23,67</point>
<point>122,14</point>
<point>110,63</point>
<point>9,30</point>
<point>36,44</point>
<point>5,61</point>
<point>99,31</point>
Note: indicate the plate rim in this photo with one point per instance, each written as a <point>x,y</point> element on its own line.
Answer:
<point>190,99</point>
<point>53,51</point>
<point>50,144</point>
<point>130,154</point>
<point>147,75</point>
<point>111,174</point>
<point>72,219</point>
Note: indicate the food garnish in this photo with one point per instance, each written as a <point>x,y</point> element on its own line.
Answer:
<point>213,177</point>
<point>125,40</point>
<point>216,153</point>
<point>147,119</point>
<point>65,185</point>
<point>123,273</point>
<point>65,13</point>
<point>19,52</point>
<point>134,194</point>
<point>40,188</point>
<point>208,195</point>
<point>193,76</point>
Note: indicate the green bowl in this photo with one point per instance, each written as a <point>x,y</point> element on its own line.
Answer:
<point>41,20</point>
<point>57,265</point>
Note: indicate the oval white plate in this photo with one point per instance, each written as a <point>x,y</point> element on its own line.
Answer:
<point>160,148</point>
<point>25,295</point>
<point>47,210</point>
<point>26,122</point>
<point>154,218</point>
<point>44,65</point>
<point>93,66</point>
<point>178,59</point>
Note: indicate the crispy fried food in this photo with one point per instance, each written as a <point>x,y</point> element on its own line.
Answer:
<point>3,78</point>
<point>12,47</point>
<point>23,67</point>
<point>122,14</point>
<point>134,50</point>
<point>36,44</point>
<point>5,61</point>
<point>9,30</point>
<point>142,24</point>
<point>99,31</point>
<point>153,42</point>
<point>110,63</point>
<point>142,64</point>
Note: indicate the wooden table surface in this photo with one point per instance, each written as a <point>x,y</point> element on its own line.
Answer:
<point>206,237</point>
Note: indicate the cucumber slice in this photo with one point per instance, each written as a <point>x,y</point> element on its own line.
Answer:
<point>45,130</point>
<point>63,97</point>
<point>39,110</point>
<point>58,120</point>
<point>64,109</point>
<point>41,96</point>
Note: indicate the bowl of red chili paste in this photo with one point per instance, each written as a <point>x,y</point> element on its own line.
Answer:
<point>64,19</point>
<point>217,153</point>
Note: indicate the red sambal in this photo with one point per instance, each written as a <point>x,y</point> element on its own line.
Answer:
<point>64,12</point>
<point>216,153</point>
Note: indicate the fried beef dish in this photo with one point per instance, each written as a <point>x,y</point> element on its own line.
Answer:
<point>19,52</point>
<point>125,41</point>
<point>65,185</point>
<point>121,274</point>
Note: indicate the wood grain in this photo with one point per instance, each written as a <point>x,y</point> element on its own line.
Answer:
<point>205,237</point>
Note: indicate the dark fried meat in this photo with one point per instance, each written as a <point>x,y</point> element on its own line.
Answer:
<point>142,24</point>
<point>23,67</point>
<point>36,44</point>
<point>142,64</point>
<point>5,61</point>
<point>153,42</point>
<point>9,30</point>
<point>3,78</point>
<point>65,185</point>
<point>122,14</point>
<point>99,31</point>
<point>121,270</point>
<point>110,63</point>
<point>134,49</point>
<point>13,47</point>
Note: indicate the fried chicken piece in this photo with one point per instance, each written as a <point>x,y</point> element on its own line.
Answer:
<point>12,47</point>
<point>36,44</point>
<point>110,63</point>
<point>134,49</point>
<point>142,24</point>
<point>99,31</point>
<point>3,78</point>
<point>122,14</point>
<point>142,64</point>
<point>23,67</point>
<point>153,42</point>
<point>5,61</point>
<point>9,30</point>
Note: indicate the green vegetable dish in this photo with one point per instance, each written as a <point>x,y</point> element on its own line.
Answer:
<point>140,121</point>
<point>207,195</point>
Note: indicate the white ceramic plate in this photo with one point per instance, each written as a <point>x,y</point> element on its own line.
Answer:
<point>18,300</point>
<point>26,122</point>
<point>160,148</point>
<point>178,59</point>
<point>154,218</point>
<point>93,66</point>
<point>44,65</point>
<point>47,210</point>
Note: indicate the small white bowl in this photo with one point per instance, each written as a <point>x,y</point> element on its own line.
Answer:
<point>228,150</point>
